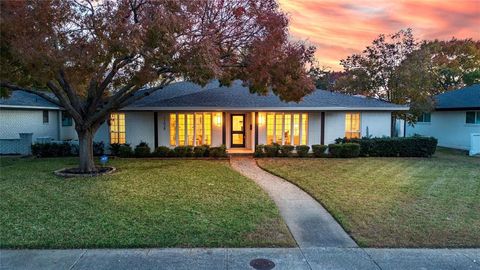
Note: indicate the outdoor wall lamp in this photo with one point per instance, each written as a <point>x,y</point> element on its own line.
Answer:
<point>218,119</point>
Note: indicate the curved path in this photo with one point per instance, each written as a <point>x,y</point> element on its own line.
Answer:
<point>310,224</point>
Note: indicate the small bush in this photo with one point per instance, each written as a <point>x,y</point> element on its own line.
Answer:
<point>114,149</point>
<point>161,151</point>
<point>125,150</point>
<point>199,151</point>
<point>319,150</point>
<point>142,150</point>
<point>171,153</point>
<point>271,150</point>
<point>51,149</point>
<point>207,150</point>
<point>344,150</point>
<point>183,151</point>
<point>98,148</point>
<point>217,152</point>
<point>286,150</point>
<point>302,150</point>
<point>259,151</point>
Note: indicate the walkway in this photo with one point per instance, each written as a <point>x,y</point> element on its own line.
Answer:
<point>310,224</point>
<point>232,259</point>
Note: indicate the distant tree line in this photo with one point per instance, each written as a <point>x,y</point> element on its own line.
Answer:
<point>400,69</point>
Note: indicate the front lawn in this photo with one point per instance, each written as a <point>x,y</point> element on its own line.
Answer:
<point>395,202</point>
<point>147,203</point>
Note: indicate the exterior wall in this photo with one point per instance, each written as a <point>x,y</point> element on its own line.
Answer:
<point>139,127</point>
<point>448,127</point>
<point>378,123</point>
<point>314,128</point>
<point>15,121</point>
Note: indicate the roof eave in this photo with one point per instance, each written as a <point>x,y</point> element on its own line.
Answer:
<point>198,108</point>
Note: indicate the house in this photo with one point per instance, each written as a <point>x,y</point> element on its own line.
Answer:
<point>455,119</point>
<point>186,114</point>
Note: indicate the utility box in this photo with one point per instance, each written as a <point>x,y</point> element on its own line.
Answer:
<point>474,144</point>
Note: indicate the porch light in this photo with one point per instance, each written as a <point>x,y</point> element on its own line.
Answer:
<point>218,119</point>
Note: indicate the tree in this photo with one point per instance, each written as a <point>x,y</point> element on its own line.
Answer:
<point>99,56</point>
<point>324,78</point>
<point>370,72</point>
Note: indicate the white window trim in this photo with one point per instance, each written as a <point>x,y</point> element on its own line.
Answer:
<point>300,127</point>
<point>194,127</point>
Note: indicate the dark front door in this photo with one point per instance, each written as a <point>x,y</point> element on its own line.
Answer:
<point>238,130</point>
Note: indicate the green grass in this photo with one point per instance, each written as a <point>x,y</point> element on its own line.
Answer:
<point>147,203</point>
<point>395,202</point>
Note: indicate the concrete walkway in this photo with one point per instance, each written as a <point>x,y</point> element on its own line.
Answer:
<point>233,259</point>
<point>310,224</point>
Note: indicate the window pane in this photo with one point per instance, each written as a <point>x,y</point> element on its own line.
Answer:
<point>181,129</point>
<point>237,139</point>
<point>198,129</point>
<point>278,127</point>
<point>117,128</point>
<point>173,129</point>
<point>427,117</point>
<point>470,118</point>
<point>270,127</point>
<point>478,118</point>
<point>208,128</point>
<point>304,128</point>
<point>352,125</point>
<point>296,129</point>
<point>45,116</point>
<point>190,128</point>
<point>288,129</point>
<point>237,123</point>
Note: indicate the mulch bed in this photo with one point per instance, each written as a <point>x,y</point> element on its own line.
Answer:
<point>75,172</point>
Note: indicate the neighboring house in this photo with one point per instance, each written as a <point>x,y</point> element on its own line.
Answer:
<point>187,114</point>
<point>455,118</point>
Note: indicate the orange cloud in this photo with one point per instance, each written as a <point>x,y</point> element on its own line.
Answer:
<point>341,27</point>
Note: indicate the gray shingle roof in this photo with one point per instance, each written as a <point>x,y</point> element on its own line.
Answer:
<point>468,97</point>
<point>23,99</point>
<point>239,97</point>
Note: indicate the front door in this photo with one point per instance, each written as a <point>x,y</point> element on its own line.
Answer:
<point>238,130</point>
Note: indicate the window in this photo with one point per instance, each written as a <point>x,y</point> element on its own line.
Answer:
<point>66,119</point>
<point>472,117</point>
<point>287,128</point>
<point>352,125</point>
<point>117,128</point>
<point>45,117</point>
<point>190,129</point>
<point>424,118</point>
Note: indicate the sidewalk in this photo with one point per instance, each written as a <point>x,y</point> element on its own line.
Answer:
<point>232,259</point>
<point>310,224</point>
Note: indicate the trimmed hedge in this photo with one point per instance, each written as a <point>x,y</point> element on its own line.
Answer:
<point>416,146</point>
<point>344,150</point>
<point>142,150</point>
<point>199,151</point>
<point>217,152</point>
<point>161,151</point>
<point>183,151</point>
<point>302,150</point>
<point>286,150</point>
<point>271,150</point>
<point>64,149</point>
<point>259,151</point>
<point>319,150</point>
<point>125,150</point>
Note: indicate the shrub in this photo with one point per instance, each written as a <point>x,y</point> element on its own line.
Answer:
<point>319,150</point>
<point>98,148</point>
<point>302,150</point>
<point>114,149</point>
<point>286,150</point>
<point>335,150</point>
<point>161,151</point>
<point>207,150</point>
<point>344,150</point>
<point>199,151</point>
<point>125,150</point>
<point>217,152</point>
<point>51,149</point>
<point>271,150</point>
<point>171,153</point>
<point>259,151</point>
<point>416,146</point>
<point>183,151</point>
<point>142,150</point>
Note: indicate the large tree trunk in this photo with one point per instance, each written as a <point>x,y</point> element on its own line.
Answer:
<point>85,138</point>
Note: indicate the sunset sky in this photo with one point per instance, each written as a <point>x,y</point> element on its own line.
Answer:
<point>339,28</point>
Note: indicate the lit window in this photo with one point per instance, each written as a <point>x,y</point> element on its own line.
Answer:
<point>192,129</point>
<point>472,117</point>
<point>352,125</point>
<point>270,127</point>
<point>66,119</point>
<point>285,128</point>
<point>304,128</point>
<point>45,117</point>
<point>424,118</point>
<point>117,128</point>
